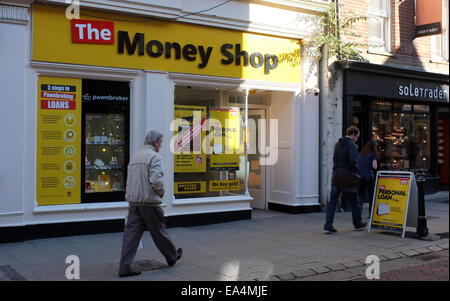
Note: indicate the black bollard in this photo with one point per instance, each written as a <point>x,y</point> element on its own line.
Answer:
<point>421,229</point>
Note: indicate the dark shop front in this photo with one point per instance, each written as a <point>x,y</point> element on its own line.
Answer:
<point>406,111</point>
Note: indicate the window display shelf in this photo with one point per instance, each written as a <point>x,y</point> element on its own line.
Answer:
<point>103,144</point>
<point>90,168</point>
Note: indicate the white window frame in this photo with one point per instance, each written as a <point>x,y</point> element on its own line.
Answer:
<point>439,43</point>
<point>385,16</point>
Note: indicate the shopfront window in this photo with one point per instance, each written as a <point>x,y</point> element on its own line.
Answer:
<point>82,140</point>
<point>208,144</point>
<point>105,140</point>
<point>403,135</point>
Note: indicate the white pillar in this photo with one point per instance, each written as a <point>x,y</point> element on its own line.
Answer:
<point>307,137</point>
<point>159,102</point>
<point>14,52</point>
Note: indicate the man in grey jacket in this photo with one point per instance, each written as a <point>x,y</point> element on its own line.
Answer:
<point>144,192</point>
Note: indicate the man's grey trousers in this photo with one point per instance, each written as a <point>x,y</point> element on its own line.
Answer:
<point>139,219</point>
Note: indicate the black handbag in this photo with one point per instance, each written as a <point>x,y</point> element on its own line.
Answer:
<point>346,180</point>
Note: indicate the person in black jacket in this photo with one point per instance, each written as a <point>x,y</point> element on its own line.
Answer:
<point>345,157</point>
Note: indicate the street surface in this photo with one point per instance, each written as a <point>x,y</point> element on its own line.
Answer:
<point>272,246</point>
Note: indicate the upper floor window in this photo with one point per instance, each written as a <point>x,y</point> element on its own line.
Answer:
<point>380,25</point>
<point>439,43</point>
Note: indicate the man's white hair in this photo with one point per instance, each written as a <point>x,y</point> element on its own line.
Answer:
<point>152,137</point>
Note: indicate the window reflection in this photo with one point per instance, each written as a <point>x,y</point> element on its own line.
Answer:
<point>403,135</point>
<point>209,146</point>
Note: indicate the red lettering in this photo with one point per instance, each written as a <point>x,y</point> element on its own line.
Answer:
<point>92,32</point>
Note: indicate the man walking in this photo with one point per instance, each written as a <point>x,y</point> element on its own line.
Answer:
<point>144,192</point>
<point>345,158</point>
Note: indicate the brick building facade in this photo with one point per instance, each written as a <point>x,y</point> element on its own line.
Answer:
<point>405,49</point>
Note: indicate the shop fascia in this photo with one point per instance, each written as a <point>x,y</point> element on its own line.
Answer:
<point>155,49</point>
<point>420,92</point>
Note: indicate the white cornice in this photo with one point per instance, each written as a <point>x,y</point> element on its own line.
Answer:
<point>23,3</point>
<point>82,71</point>
<point>232,83</point>
<point>156,9</point>
<point>309,6</point>
<point>14,14</point>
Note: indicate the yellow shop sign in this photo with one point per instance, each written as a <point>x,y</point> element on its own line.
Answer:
<point>104,40</point>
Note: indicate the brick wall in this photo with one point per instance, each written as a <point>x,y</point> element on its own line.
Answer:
<point>406,49</point>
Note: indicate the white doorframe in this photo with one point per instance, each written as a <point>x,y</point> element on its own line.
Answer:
<point>266,169</point>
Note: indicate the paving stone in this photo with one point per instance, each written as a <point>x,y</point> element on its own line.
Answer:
<point>304,273</point>
<point>336,267</point>
<point>393,256</point>
<point>422,251</point>
<point>435,271</point>
<point>383,258</point>
<point>286,277</point>
<point>444,246</point>
<point>320,269</point>
<point>269,278</point>
<point>362,261</point>
<point>410,253</point>
<point>9,273</point>
<point>352,264</point>
<point>150,265</point>
<point>435,248</point>
<point>401,254</point>
<point>332,276</point>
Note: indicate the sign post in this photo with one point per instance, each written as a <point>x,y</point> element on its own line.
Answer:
<point>391,201</point>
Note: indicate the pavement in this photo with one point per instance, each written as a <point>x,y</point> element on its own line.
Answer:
<point>272,246</point>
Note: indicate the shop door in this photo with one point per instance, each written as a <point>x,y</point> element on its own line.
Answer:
<point>256,171</point>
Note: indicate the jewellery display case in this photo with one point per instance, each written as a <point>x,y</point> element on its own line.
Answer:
<point>105,150</point>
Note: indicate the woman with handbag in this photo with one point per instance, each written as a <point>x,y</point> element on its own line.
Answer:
<point>367,162</point>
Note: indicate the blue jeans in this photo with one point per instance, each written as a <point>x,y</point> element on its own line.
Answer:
<point>350,197</point>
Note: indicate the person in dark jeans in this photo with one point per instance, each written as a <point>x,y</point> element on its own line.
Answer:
<point>367,162</point>
<point>345,157</point>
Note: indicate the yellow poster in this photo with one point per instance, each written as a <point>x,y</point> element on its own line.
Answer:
<point>190,187</point>
<point>225,138</point>
<point>391,202</point>
<point>188,137</point>
<point>224,185</point>
<point>58,173</point>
